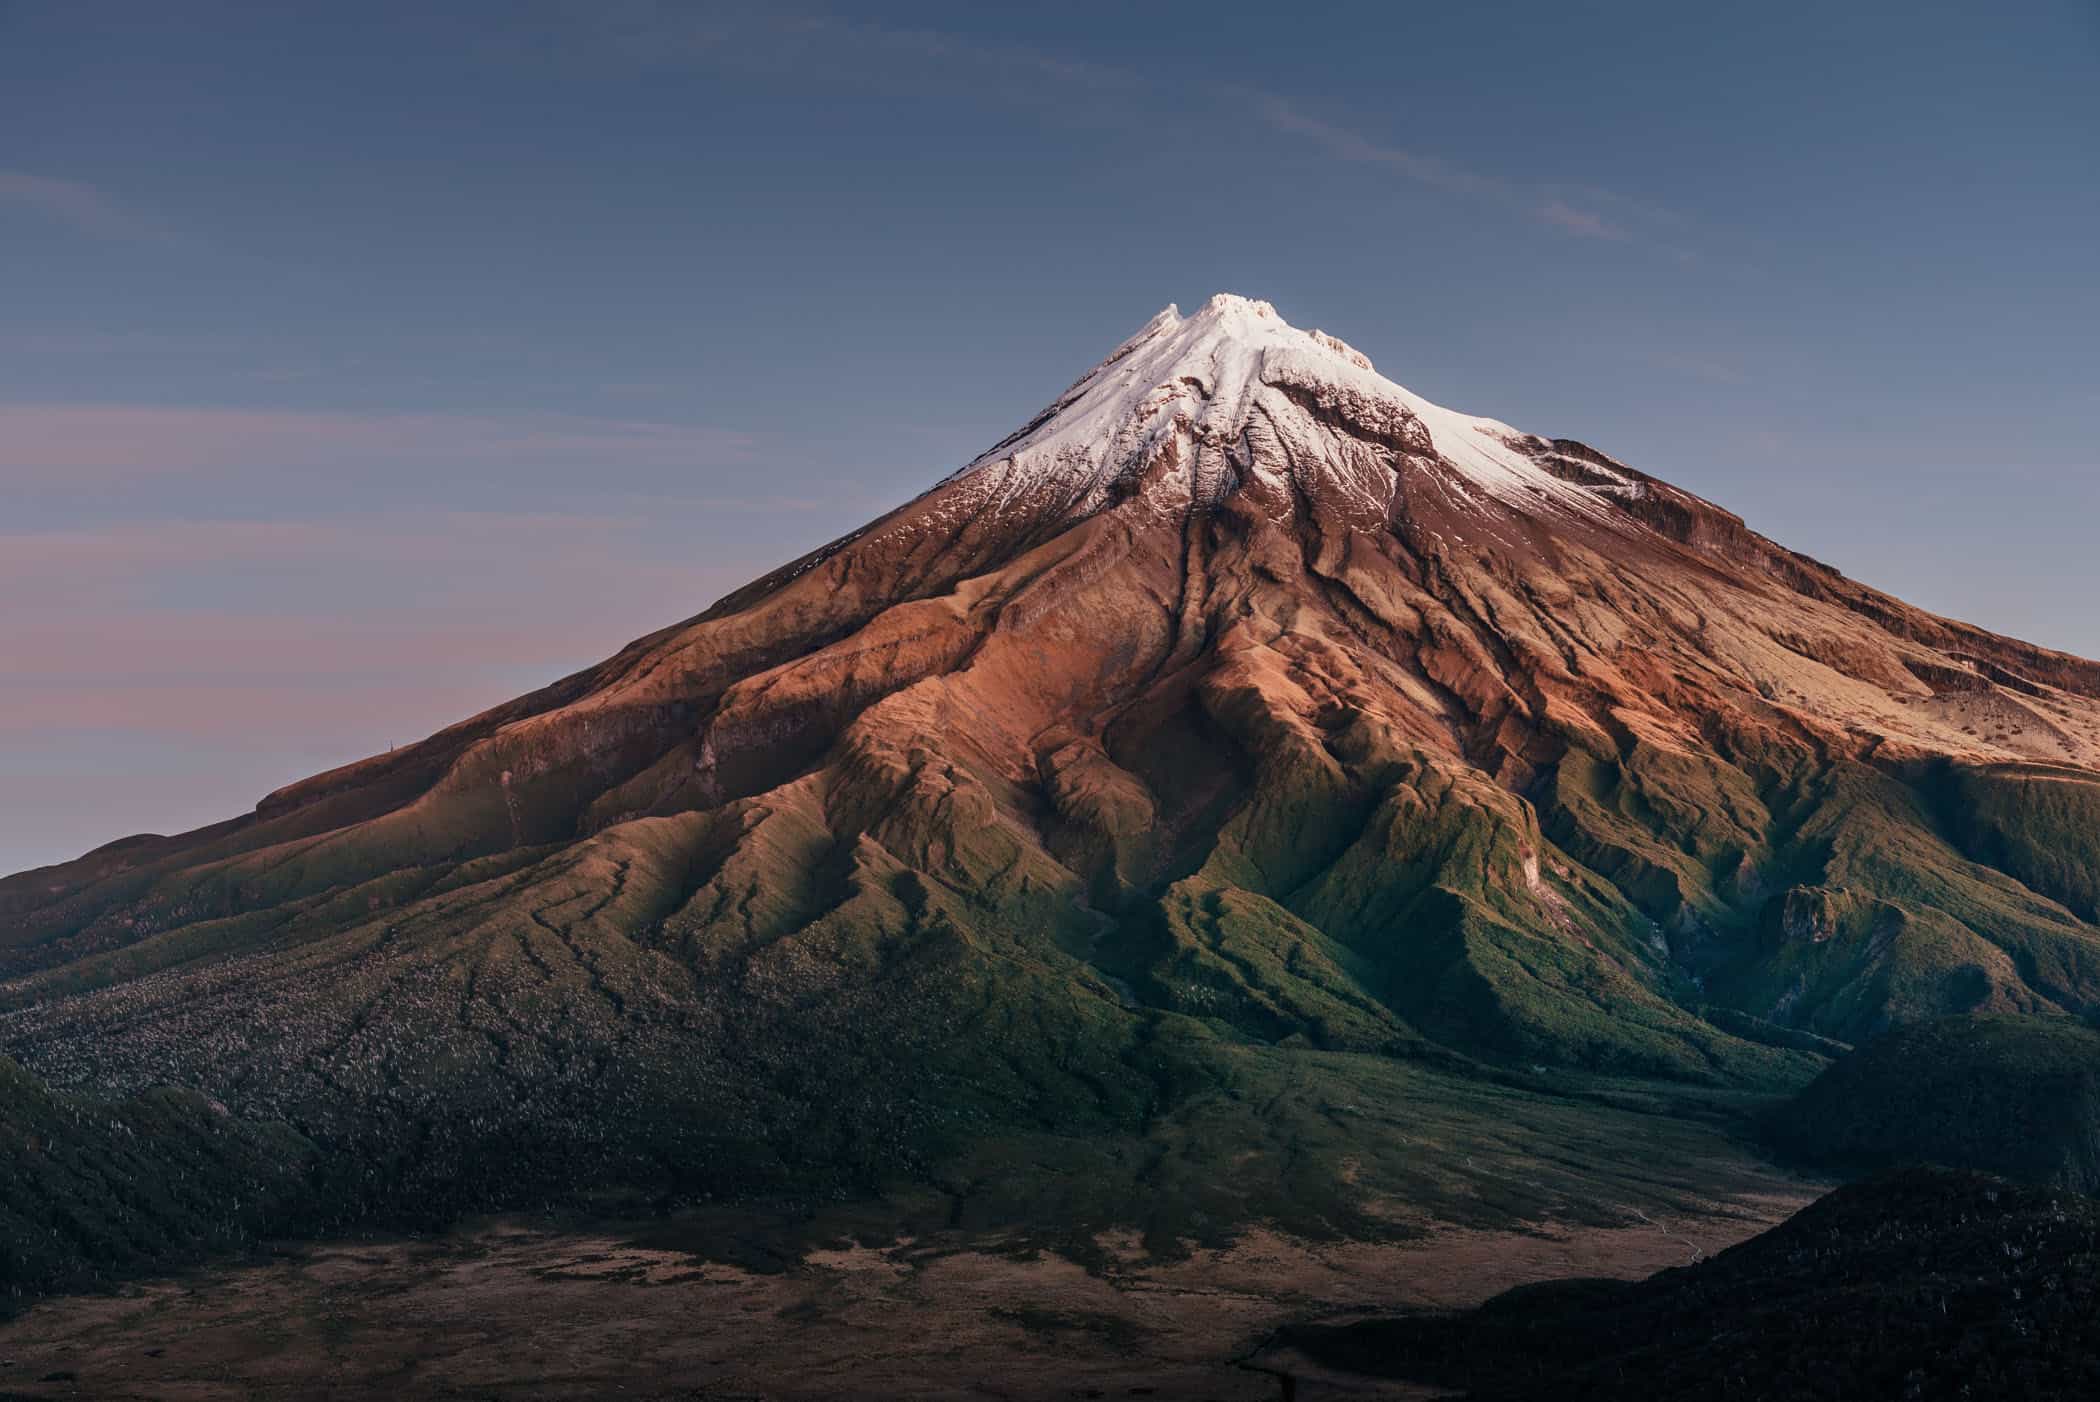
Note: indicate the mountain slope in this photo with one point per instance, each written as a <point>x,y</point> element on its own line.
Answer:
<point>1242,703</point>
<point>2014,1096</point>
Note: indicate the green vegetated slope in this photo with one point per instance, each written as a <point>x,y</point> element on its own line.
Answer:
<point>882,972</point>
<point>2015,1096</point>
<point>1835,898</point>
<point>739,1003</point>
<point>861,970</point>
<point>1929,1284</point>
<point>96,1188</point>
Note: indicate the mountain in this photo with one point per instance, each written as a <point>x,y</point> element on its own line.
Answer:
<point>1241,746</point>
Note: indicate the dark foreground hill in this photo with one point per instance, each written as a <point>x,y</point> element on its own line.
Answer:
<point>2013,1096</point>
<point>97,1188</point>
<point>1929,1284</point>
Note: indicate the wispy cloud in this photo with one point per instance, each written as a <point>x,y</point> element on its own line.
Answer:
<point>805,47</point>
<point>1711,369</point>
<point>106,561</point>
<point>86,208</point>
<point>997,64</point>
<point>329,626</point>
<point>81,444</point>
<point>808,46</point>
<point>89,343</point>
<point>1539,204</point>
<point>1582,223</point>
<point>1346,145</point>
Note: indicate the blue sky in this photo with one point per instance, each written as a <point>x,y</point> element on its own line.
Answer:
<point>365,365</point>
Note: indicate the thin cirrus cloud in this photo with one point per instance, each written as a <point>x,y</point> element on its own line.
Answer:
<point>82,444</point>
<point>1539,204</point>
<point>784,42</point>
<point>84,208</point>
<point>1711,369</point>
<point>773,41</point>
<point>1347,145</point>
<point>1582,223</point>
<point>110,560</point>
<point>343,627</point>
<point>172,672</point>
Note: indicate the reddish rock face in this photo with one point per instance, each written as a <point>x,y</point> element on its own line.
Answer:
<point>1241,690</point>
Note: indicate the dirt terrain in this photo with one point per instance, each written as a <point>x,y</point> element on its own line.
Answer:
<point>517,1309</point>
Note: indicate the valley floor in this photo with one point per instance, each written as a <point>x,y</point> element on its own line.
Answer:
<point>518,1309</point>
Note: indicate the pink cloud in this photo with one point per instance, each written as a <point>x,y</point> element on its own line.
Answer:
<point>1522,199</point>
<point>353,719</point>
<point>68,443</point>
<point>1347,145</point>
<point>56,813</point>
<point>1581,222</point>
<point>100,554</point>
<point>1700,367</point>
<point>84,207</point>
<point>350,634</point>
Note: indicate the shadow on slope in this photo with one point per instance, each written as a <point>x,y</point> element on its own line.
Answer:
<point>1320,1146</point>
<point>2010,1095</point>
<point>97,1188</point>
<point>1924,1285</point>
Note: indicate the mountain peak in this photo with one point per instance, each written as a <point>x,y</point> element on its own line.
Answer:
<point>1192,410</point>
<point>1229,315</point>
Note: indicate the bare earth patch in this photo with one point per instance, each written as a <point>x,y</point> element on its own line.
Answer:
<point>511,1309</point>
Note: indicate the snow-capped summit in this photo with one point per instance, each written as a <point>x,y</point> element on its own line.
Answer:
<point>1235,394</point>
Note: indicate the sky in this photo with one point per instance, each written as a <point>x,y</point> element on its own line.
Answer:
<point>364,366</point>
